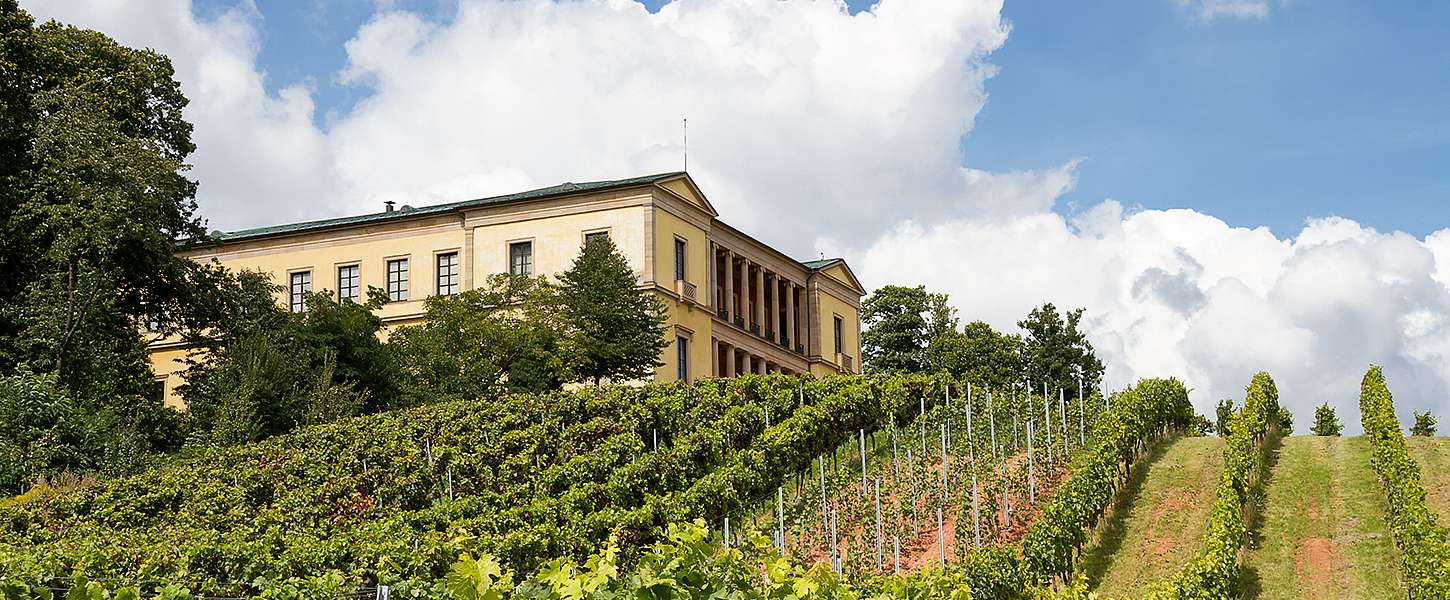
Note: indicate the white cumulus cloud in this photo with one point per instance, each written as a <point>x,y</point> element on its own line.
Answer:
<point>817,130</point>
<point>1182,293</point>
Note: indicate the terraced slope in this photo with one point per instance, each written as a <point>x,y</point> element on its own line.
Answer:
<point>1159,519</point>
<point>1321,531</point>
<point>1433,454</point>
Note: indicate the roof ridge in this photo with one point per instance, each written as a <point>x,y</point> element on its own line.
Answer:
<point>557,188</point>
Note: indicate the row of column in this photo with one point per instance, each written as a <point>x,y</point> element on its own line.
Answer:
<point>762,302</point>
<point>730,360</point>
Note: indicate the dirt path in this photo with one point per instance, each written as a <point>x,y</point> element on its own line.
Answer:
<point>1159,519</point>
<point>1322,532</point>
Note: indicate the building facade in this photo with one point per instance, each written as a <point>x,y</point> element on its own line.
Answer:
<point>735,305</point>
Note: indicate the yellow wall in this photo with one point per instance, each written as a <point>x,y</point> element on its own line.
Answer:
<point>557,240</point>
<point>369,252</point>
<point>167,364</point>
<point>644,233</point>
<point>832,306</point>
<point>696,319</point>
<point>693,317</point>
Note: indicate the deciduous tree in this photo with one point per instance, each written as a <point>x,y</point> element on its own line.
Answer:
<point>900,324</point>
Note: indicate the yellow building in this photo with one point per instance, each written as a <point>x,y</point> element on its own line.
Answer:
<point>735,304</point>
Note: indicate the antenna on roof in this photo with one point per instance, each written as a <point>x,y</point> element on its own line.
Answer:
<point>686,148</point>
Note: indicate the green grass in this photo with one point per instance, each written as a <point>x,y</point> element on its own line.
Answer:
<point>1321,531</point>
<point>1158,520</point>
<point>1433,455</point>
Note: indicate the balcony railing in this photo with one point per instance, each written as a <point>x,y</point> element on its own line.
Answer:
<point>685,290</point>
<point>844,361</point>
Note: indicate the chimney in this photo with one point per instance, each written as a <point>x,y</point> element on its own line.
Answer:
<point>389,206</point>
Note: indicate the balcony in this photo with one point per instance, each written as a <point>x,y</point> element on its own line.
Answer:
<point>844,361</point>
<point>685,290</point>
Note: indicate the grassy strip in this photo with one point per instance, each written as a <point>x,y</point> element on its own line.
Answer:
<point>1213,572</point>
<point>1139,418</point>
<point>1323,532</point>
<point>1157,523</point>
<point>1433,456</point>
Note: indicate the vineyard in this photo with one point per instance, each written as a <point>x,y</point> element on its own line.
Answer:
<point>765,487</point>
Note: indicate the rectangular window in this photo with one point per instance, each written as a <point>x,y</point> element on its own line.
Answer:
<point>838,334</point>
<point>398,279</point>
<point>158,390</point>
<point>682,356</point>
<point>448,274</point>
<point>679,259</point>
<point>300,285</point>
<point>597,235</point>
<point>521,258</point>
<point>347,283</point>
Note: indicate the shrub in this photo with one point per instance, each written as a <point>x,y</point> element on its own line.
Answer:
<point>1325,422</point>
<point>1424,424</point>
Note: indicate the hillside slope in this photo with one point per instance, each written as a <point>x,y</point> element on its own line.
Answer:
<point>1433,456</point>
<point>1322,530</point>
<point>1158,520</point>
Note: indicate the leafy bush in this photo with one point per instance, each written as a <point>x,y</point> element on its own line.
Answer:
<point>1225,414</point>
<point>1424,551</point>
<point>1325,422</point>
<point>1424,424</point>
<point>532,476</point>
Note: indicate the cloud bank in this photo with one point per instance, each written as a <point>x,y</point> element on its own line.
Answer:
<point>819,131</point>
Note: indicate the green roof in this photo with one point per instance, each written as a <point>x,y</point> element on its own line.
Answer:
<point>816,265</point>
<point>409,212</point>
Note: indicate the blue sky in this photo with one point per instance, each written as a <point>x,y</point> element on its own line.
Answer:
<point>1323,107</point>
<point>1302,109</point>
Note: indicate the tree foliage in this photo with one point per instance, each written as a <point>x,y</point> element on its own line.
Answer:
<point>1424,424</point>
<point>901,323</point>
<point>1326,423</point>
<point>264,371</point>
<point>618,330</point>
<point>509,333</point>
<point>93,201</point>
<point>977,352</point>
<point>1225,417</point>
<point>1056,351</point>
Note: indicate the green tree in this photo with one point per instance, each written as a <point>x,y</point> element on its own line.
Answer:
<point>509,333</point>
<point>93,200</point>
<point>901,323</point>
<point>1424,424</point>
<point>617,328</point>
<point>1326,423</point>
<point>979,352</point>
<point>1225,417</point>
<point>45,432</point>
<point>1056,351</point>
<point>263,371</point>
